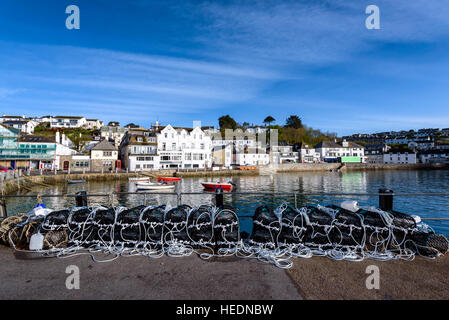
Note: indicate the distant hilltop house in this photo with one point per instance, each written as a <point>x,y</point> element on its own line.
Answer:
<point>25,126</point>
<point>93,124</point>
<point>11,118</point>
<point>113,133</point>
<point>68,122</point>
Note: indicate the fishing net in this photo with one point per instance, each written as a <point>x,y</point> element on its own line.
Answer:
<point>277,235</point>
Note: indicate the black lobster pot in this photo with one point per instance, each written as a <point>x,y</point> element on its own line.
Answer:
<point>152,226</point>
<point>103,227</point>
<point>80,224</point>
<point>175,226</point>
<point>56,220</point>
<point>127,231</point>
<point>293,228</point>
<point>266,227</point>
<point>347,228</point>
<point>226,228</point>
<point>199,227</point>
<point>320,222</point>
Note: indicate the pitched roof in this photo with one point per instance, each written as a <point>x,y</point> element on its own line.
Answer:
<point>327,144</point>
<point>36,138</point>
<point>16,121</point>
<point>67,117</point>
<point>104,145</point>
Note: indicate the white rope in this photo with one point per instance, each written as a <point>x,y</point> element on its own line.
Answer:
<point>210,232</point>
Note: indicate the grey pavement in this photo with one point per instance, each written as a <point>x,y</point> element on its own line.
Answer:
<point>139,277</point>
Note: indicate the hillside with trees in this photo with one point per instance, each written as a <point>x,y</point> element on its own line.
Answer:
<point>293,132</point>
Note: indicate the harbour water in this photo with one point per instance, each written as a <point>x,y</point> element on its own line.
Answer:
<point>436,181</point>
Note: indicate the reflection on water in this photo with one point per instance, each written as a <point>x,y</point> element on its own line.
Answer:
<point>304,182</point>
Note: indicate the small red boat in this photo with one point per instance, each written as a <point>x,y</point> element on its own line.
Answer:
<point>168,179</point>
<point>215,186</point>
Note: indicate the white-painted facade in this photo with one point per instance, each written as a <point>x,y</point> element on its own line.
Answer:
<point>184,148</point>
<point>67,122</point>
<point>397,157</point>
<point>252,157</point>
<point>25,126</point>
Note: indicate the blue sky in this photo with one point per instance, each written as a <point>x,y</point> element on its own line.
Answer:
<point>179,61</point>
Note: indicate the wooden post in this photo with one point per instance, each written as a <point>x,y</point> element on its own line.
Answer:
<point>386,199</point>
<point>81,199</point>
<point>219,198</point>
<point>3,213</point>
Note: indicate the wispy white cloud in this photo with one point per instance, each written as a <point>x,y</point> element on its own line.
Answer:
<point>317,32</point>
<point>242,50</point>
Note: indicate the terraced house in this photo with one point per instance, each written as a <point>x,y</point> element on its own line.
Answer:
<point>104,157</point>
<point>138,150</point>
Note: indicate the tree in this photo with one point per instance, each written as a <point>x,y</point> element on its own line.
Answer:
<point>227,122</point>
<point>293,122</point>
<point>269,120</point>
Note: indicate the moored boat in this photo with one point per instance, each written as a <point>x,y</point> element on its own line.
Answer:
<point>139,179</point>
<point>215,186</point>
<point>75,181</point>
<point>168,179</point>
<point>154,186</point>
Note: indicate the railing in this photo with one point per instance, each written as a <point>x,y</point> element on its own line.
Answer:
<point>81,198</point>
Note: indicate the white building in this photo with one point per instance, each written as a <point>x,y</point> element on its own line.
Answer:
<point>374,153</point>
<point>425,144</point>
<point>5,118</point>
<point>43,119</point>
<point>67,122</point>
<point>184,148</point>
<point>308,154</point>
<point>252,157</point>
<point>434,156</point>
<point>25,126</point>
<point>222,156</point>
<point>283,154</point>
<point>103,156</point>
<point>93,124</point>
<point>113,133</point>
<point>400,155</point>
<point>333,152</point>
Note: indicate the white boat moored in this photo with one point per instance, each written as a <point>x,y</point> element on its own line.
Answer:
<point>154,186</point>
